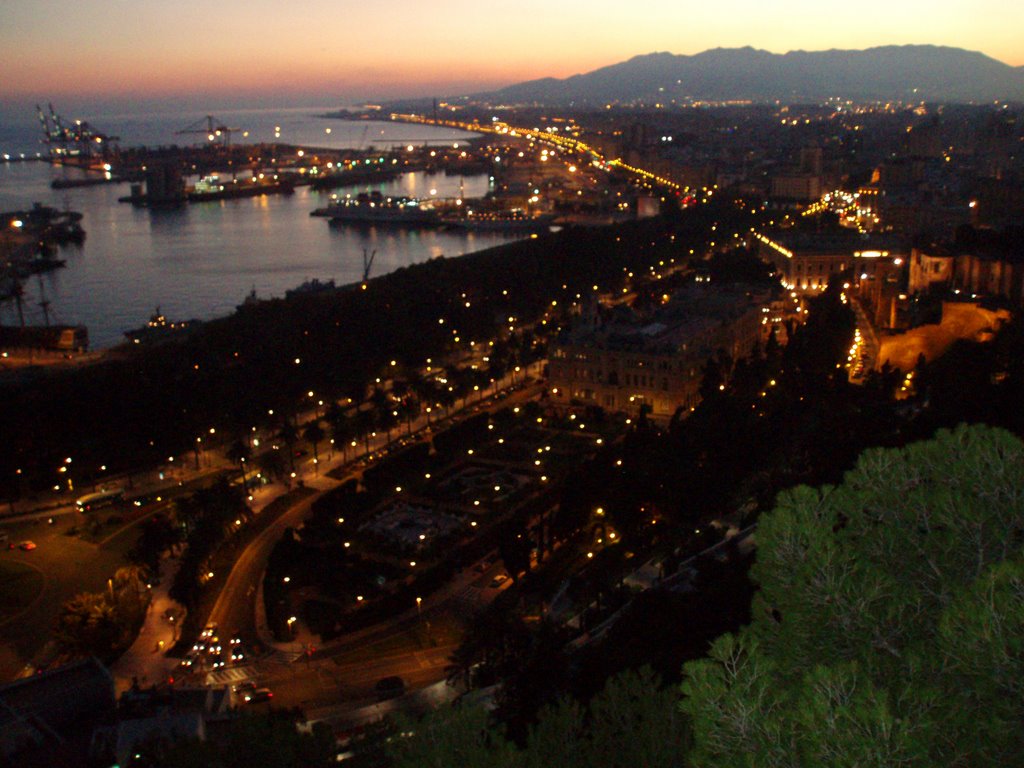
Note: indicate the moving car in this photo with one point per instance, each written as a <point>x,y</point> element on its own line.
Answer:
<point>257,695</point>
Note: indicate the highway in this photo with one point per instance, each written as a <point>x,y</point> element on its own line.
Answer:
<point>561,141</point>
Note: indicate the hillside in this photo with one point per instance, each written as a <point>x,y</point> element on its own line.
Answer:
<point>907,73</point>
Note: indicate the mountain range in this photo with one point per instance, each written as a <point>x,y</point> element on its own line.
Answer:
<point>905,73</point>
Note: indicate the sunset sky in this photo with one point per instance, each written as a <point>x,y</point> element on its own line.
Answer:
<point>340,50</point>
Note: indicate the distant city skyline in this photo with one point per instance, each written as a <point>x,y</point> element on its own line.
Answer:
<point>259,52</point>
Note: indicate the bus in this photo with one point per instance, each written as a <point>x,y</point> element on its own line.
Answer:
<point>100,499</point>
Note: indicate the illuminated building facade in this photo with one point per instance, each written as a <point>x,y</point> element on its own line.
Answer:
<point>930,268</point>
<point>622,360</point>
<point>805,261</point>
<point>967,274</point>
<point>798,187</point>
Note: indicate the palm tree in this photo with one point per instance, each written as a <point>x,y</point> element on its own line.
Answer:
<point>289,434</point>
<point>341,429</point>
<point>314,434</point>
<point>497,370</point>
<point>385,410</point>
<point>425,391</point>
<point>446,397</point>
<point>400,388</point>
<point>387,418</point>
<point>459,383</point>
<point>127,586</point>
<point>409,409</point>
<point>366,420</point>
<point>239,452</point>
<point>271,464</point>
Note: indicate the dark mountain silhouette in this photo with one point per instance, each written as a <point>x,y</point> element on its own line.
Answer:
<point>907,73</point>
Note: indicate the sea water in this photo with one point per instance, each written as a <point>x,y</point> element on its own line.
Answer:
<point>200,261</point>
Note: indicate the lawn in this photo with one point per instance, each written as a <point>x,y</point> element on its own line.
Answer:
<point>20,584</point>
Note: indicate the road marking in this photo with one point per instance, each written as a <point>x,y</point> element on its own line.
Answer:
<point>230,675</point>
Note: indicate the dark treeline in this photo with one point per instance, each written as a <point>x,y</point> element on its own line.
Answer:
<point>886,630</point>
<point>138,408</point>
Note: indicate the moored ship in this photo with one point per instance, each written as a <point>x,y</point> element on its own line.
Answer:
<point>507,220</point>
<point>159,328</point>
<point>375,208</point>
<point>212,188</point>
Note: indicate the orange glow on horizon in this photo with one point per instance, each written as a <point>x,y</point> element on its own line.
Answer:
<point>406,48</point>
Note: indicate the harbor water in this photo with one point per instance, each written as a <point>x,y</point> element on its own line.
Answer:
<point>200,261</point>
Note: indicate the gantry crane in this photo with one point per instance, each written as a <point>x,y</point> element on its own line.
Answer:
<point>215,130</point>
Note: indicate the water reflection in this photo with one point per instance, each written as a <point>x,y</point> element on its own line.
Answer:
<point>200,260</point>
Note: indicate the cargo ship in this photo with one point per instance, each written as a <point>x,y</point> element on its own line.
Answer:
<point>211,188</point>
<point>170,192</point>
<point>356,177</point>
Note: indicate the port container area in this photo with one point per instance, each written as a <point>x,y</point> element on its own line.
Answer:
<point>15,341</point>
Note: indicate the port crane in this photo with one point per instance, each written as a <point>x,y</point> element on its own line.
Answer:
<point>73,138</point>
<point>368,264</point>
<point>212,127</point>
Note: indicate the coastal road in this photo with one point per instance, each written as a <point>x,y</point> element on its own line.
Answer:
<point>235,608</point>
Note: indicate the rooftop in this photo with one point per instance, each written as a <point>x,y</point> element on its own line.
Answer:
<point>684,317</point>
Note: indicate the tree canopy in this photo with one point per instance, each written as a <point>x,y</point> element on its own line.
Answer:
<point>889,625</point>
